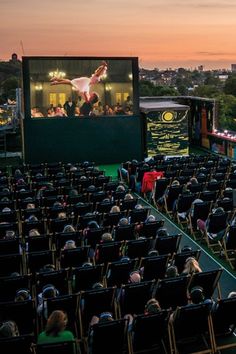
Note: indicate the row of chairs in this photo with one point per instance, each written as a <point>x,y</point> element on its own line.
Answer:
<point>164,332</point>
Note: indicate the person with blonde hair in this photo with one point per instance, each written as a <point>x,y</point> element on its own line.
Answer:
<point>191,266</point>
<point>55,330</point>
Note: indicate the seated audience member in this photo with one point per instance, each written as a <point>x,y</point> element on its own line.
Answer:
<point>162,232</point>
<point>49,291</point>
<point>171,272</point>
<point>134,277</point>
<point>69,244</point>
<point>232,294</point>
<point>197,296</point>
<point>9,329</point>
<point>68,228</point>
<point>191,266</point>
<point>152,306</point>
<point>23,295</point>
<point>55,330</point>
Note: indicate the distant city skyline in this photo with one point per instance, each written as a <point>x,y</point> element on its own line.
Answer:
<point>161,33</point>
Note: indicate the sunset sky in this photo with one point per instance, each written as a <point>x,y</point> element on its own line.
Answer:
<point>162,33</point>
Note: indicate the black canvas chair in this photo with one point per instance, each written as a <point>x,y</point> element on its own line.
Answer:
<point>190,330</point>
<point>93,303</point>
<point>69,304</point>
<point>168,244</point>
<point>171,198</point>
<point>128,204</point>
<point>108,252</point>
<point>36,260</point>
<point>83,278</point>
<point>22,312</point>
<point>109,337</point>
<point>85,219</point>
<point>9,246</point>
<point>29,225</point>
<point>74,257</point>
<point>224,323</point>
<point>172,292</point>
<point>19,344</point>
<point>216,227</point>
<point>200,210</point>
<point>179,259</point>
<point>117,273</point>
<point>161,185</point>
<point>150,333</point>
<point>38,243</point>
<point>228,246</point>
<point>124,232</point>
<point>69,347</point>
<point>208,280</point>
<point>104,207</point>
<point>149,229</point>
<point>134,296</point>
<point>94,236</point>
<point>154,267</point>
<point>8,216</point>
<point>14,226</point>
<point>112,219</point>
<point>207,195</point>
<point>11,263</point>
<point>58,278</point>
<point>137,248</point>
<point>183,206</point>
<point>61,238</point>
<point>9,286</point>
<point>139,215</point>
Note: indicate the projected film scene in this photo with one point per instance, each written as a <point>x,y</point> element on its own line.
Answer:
<point>70,88</point>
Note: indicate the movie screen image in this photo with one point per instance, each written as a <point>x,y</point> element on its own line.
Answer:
<point>72,87</point>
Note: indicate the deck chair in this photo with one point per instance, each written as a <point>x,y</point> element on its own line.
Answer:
<point>94,236</point>
<point>200,210</point>
<point>108,252</point>
<point>93,303</point>
<point>67,347</point>
<point>172,292</point>
<point>171,198</point>
<point>154,267</point>
<point>38,243</point>
<point>36,260</point>
<point>149,229</point>
<point>117,273</point>
<point>137,248</point>
<point>83,278</point>
<point>216,227</point>
<point>104,207</point>
<point>160,187</point>
<point>134,296</point>
<point>29,225</point>
<point>150,333</point>
<point>9,286</point>
<point>11,263</point>
<point>190,330</point>
<point>22,312</point>
<point>9,246</point>
<point>196,188</point>
<point>179,259</point>
<point>208,196</point>
<point>129,204</point>
<point>109,337</point>
<point>14,226</point>
<point>74,257</point>
<point>168,244</point>
<point>8,216</point>
<point>208,280</point>
<point>224,323</point>
<point>183,206</point>
<point>61,238</point>
<point>228,246</point>
<point>139,215</point>
<point>69,304</point>
<point>112,219</point>
<point>124,232</point>
<point>58,278</point>
<point>20,344</point>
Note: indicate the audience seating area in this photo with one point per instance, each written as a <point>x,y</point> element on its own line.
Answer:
<point>84,234</point>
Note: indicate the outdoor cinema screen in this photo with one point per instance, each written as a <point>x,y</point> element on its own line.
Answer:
<point>79,87</point>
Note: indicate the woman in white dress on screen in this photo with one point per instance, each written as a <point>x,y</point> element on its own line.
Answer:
<point>83,84</point>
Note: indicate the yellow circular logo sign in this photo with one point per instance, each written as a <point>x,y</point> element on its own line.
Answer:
<point>167,116</point>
